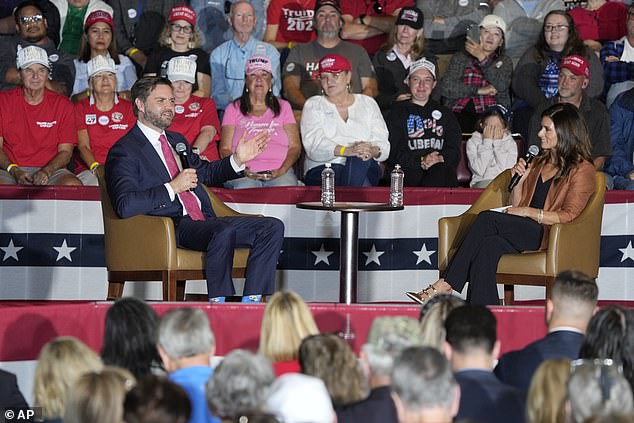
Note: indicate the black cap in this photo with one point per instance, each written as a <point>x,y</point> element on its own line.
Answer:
<point>321,3</point>
<point>411,16</point>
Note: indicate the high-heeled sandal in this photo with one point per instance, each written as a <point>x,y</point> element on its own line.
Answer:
<point>423,296</point>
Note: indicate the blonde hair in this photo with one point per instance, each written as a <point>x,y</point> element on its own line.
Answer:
<point>98,397</point>
<point>195,39</point>
<point>433,321</point>
<point>60,363</point>
<point>547,392</point>
<point>286,321</point>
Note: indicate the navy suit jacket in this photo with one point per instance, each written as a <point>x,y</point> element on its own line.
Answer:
<point>516,368</point>
<point>135,176</point>
<point>10,395</point>
<point>483,398</point>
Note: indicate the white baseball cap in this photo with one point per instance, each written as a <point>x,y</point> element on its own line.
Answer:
<point>181,68</point>
<point>299,398</point>
<point>31,55</point>
<point>99,64</point>
<point>422,63</point>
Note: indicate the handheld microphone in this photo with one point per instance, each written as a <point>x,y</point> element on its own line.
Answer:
<point>181,150</point>
<point>533,150</point>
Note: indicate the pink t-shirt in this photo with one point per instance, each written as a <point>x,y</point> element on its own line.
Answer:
<point>275,152</point>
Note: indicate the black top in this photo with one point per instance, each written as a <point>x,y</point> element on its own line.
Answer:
<point>541,191</point>
<point>158,60</point>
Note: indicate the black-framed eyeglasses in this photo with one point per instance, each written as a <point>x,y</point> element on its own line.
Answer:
<point>186,29</point>
<point>25,20</point>
<point>555,28</point>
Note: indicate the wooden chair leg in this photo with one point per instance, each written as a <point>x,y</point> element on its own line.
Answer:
<point>509,294</point>
<point>115,290</point>
<point>180,290</point>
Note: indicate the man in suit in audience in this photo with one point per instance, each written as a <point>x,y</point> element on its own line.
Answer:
<point>471,346</point>
<point>145,176</point>
<point>620,166</point>
<point>572,302</point>
<point>10,395</point>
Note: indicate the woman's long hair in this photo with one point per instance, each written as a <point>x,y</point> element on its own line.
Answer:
<point>574,44</point>
<point>573,139</point>
<point>417,48</point>
<point>244,101</point>
<point>84,49</point>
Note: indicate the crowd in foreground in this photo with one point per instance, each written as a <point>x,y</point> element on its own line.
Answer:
<point>443,367</point>
<point>361,87</point>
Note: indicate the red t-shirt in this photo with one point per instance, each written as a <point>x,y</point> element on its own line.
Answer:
<point>607,23</point>
<point>295,20</point>
<point>32,133</point>
<point>191,116</point>
<point>356,8</point>
<point>104,128</point>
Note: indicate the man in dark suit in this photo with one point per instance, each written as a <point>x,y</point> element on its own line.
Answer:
<point>471,347</point>
<point>10,395</point>
<point>572,303</point>
<point>145,176</point>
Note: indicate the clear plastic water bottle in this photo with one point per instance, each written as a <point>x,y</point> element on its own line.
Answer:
<point>328,186</point>
<point>396,186</point>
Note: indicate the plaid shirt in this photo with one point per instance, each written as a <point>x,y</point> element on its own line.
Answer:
<point>614,72</point>
<point>473,77</point>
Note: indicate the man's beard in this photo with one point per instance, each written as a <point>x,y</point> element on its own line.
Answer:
<point>158,120</point>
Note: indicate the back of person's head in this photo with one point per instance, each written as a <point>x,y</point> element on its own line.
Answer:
<point>597,387</point>
<point>470,328</point>
<point>286,321</point>
<point>257,417</point>
<point>185,332</point>
<point>547,392</point>
<point>60,363</point>
<point>387,338</point>
<point>298,398</point>
<point>240,384</point>
<point>432,318</point>
<point>331,359</point>
<point>573,297</point>
<point>422,379</point>
<point>610,334</point>
<point>130,336</point>
<point>98,397</point>
<point>155,399</point>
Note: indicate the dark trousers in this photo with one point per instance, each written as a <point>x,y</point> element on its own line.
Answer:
<point>439,175</point>
<point>355,173</point>
<point>491,235</point>
<point>218,237</point>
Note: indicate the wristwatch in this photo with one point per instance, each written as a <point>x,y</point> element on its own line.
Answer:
<point>361,18</point>
<point>195,150</point>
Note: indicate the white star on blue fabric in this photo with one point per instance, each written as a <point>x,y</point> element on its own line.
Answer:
<point>423,254</point>
<point>11,251</point>
<point>373,256</point>
<point>628,252</point>
<point>322,255</point>
<point>64,251</point>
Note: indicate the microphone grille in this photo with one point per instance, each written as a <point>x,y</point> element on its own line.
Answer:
<point>533,150</point>
<point>180,147</point>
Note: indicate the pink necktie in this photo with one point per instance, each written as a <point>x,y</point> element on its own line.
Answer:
<point>188,198</point>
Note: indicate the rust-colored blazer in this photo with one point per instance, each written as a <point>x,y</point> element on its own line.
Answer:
<point>568,197</point>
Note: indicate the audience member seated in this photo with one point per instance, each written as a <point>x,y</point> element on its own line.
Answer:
<point>289,22</point>
<point>229,59</point>
<point>595,388</point>
<point>181,38</point>
<point>31,26</point>
<point>424,135</point>
<point>491,148</point>
<point>286,321</point>
<point>331,359</point>
<point>536,75</point>
<point>97,41</point>
<point>10,395</point>
<point>424,388</point>
<point>130,337</point>
<point>60,364</point>
<point>301,70</point>
<point>618,62</point>
<point>524,20</point>
<point>387,339</point>
<point>472,346</point>
<point>447,21</point>
<point>259,110</point>
<point>36,127</point>
<point>610,335</point>
<point>298,398</point>
<point>195,118</point>
<point>598,21</point>
<point>620,166</point>
<point>572,302</point>
<point>404,46</point>
<point>138,25</point>
<point>432,318</point>
<point>342,128</point>
<point>101,119</point>
<point>73,16</point>
<point>156,400</point>
<point>368,25</point>
<point>97,396</point>
<point>186,345</point>
<point>480,76</point>
<point>547,392</point>
<point>240,384</point>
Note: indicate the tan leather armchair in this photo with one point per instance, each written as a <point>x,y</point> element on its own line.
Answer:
<point>573,245</point>
<point>143,248</point>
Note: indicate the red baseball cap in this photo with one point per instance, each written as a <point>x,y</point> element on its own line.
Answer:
<point>577,65</point>
<point>182,12</point>
<point>98,16</point>
<point>334,63</point>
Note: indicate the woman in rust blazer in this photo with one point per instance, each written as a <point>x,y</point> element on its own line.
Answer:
<point>554,188</point>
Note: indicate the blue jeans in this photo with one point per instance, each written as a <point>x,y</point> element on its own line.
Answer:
<point>355,173</point>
